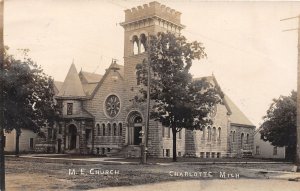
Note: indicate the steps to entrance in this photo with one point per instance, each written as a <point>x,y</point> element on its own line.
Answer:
<point>129,151</point>
<point>73,151</point>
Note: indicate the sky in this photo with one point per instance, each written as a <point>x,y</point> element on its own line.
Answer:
<point>251,57</point>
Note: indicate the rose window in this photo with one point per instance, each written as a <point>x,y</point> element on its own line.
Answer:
<point>112,105</point>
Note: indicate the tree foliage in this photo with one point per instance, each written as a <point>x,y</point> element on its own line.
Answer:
<point>28,95</point>
<point>279,126</point>
<point>178,101</point>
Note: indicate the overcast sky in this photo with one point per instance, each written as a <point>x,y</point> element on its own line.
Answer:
<point>252,59</point>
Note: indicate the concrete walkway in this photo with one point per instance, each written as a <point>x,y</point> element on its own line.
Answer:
<point>213,185</point>
<point>97,160</point>
<point>58,157</point>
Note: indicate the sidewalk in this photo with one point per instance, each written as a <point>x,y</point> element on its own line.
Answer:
<point>52,158</point>
<point>109,160</point>
<point>213,185</point>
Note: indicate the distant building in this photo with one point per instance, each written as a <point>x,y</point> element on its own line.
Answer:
<point>264,149</point>
<point>26,141</point>
<point>98,116</point>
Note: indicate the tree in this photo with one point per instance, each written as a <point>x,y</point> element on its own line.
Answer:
<point>279,126</point>
<point>177,100</point>
<point>27,96</point>
<point>2,163</point>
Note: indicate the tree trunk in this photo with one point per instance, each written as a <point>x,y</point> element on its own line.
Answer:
<point>18,133</point>
<point>174,144</point>
<point>2,164</point>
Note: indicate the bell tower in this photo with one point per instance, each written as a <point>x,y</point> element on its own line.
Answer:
<point>140,22</point>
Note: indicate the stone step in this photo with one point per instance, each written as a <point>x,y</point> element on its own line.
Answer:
<point>129,151</point>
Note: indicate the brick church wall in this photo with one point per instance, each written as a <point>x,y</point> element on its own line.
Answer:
<point>235,139</point>
<point>210,147</point>
<point>96,106</point>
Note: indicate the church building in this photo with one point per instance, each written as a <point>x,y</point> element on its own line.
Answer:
<point>98,115</point>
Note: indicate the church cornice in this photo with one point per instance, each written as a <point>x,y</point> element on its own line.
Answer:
<point>70,98</point>
<point>148,21</point>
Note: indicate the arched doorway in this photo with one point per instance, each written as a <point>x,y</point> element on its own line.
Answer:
<point>72,136</point>
<point>134,128</point>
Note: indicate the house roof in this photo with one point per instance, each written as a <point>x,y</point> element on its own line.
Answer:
<point>89,77</point>
<point>83,84</point>
<point>72,87</point>
<point>236,115</point>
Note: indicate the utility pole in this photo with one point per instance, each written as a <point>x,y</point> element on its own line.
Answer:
<point>2,164</point>
<point>146,133</point>
<point>297,162</point>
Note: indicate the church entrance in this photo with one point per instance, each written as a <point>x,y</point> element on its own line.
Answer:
<point>137,139</point>
<point>134,128</point>
<point>72,136</point>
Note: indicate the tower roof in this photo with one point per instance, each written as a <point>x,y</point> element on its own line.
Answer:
<point>72,87</point>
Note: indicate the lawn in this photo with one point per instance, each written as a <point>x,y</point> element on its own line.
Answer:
<point>37,174</point>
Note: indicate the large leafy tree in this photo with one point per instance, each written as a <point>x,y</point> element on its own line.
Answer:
<point>177,101</point>
<point>28,96</point>
<point>279,126</point>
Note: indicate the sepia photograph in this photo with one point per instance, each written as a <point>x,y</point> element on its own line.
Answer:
<point>125,95</point>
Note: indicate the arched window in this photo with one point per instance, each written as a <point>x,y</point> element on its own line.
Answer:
<point>242,140</point>
<point>98,130</point>
<point>103,129</point>
<point>219,133</point>
<point>138,119</point>
<point>247,139</point>
<point>114,129</point>
<point>143,41</point>
<point>135,42</point>
<point>138,76</point>
<point>204,132</point>
<point>233,136</point>
<point>209,134</point>
<point>214,133</point>
<point>109,129</point>
<point>120,129</point>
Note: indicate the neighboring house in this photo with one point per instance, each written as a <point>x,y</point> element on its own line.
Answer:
<point>26,141</point>
<point>98,115</point>
<point>264,149</point>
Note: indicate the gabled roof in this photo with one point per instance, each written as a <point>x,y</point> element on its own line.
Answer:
<point>116,68</point>
<point>236,115</point>
<point>89,88</point>
<point>88,77</point>
<point>121,71</point>
<point>72,87</point>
